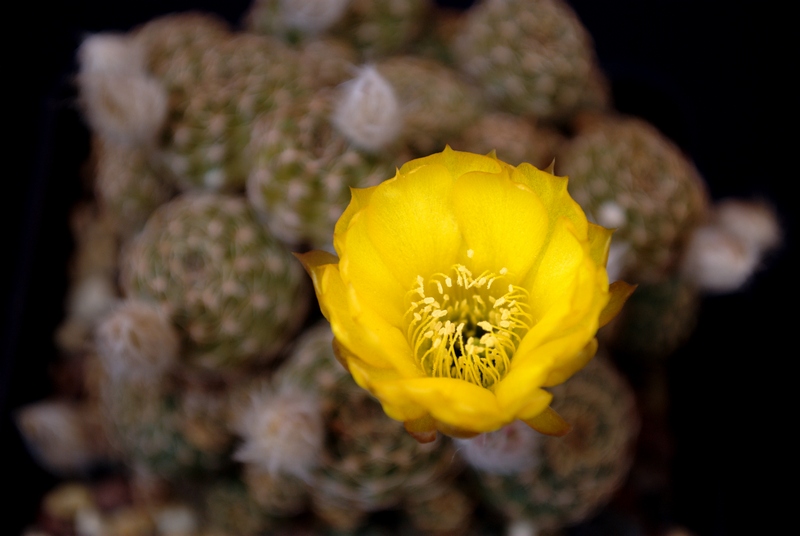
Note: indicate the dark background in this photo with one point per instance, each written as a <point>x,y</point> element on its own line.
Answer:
<point>711,75</point>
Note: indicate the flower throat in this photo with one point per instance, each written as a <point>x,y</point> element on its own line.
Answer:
<point>467,327</point>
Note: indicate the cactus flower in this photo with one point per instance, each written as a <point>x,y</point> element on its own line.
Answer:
<point>463,288</point>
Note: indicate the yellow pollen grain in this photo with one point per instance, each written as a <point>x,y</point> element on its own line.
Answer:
<point>470,253</point>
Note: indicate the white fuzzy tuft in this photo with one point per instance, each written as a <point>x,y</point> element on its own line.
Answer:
<point>368,112</point>
<point>522,527</point>
<point>312,16</point>
<point>176,520</point>
<point>90,522</point>
<point>110,53</point>
<point>283,432</point>
<point>611,215</point>
<point>512,449</point>
<point>90,298</point>
<point>137,340</point>
<point>57,434</point>
<point>128,108</point>
<point>717,260</point>
<point>754,223</point>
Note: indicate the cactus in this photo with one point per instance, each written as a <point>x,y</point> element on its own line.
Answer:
<point>149,426</point>
<point>380,28</point>
<point>127,187</point>
<point>208,129</point>
<point>236,295</point>
<point>530,57</point>
<point>657,319</point>
<point>436,103</point>
<point>174,46</point>
<point>369,462</point>
<point>304,169</point>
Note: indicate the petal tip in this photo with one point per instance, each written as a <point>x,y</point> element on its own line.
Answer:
<point>549,423</point>
<point>619,292</point>
<point>422,429</point>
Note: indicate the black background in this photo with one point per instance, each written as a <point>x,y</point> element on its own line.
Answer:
<point>711,75</point>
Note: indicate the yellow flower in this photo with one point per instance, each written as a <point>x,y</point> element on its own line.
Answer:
<point>463,287</point>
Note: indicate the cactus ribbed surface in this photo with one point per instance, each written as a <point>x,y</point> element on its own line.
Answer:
<point>127,187</point>
<point>530,57</point>
<point>657,319</point>
<point>303,171</point>
<point>370,462</point>
<point>379,28</point>
<point>208,129</point>
<point>236,294</point>
<point>174,46</point>
<point>515,139</point>
<point>435,101</point>
<point>147,423</point>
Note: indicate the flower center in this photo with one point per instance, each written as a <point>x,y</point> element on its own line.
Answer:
<point>467,327</point>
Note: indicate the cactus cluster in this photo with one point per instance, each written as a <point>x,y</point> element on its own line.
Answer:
<point>219,147</point>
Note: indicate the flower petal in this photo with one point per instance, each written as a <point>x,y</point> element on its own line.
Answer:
<point>549,423</point>
<point>553,192</point>
<point>456,403</point>
<point>554,276</point>
<point>599,243</point>
<point>411,225</point>
<point>502,222</point>
<point>619,292</point>
<point>566,368</point>
<point>457,163</point>
<point>359,331</point>
<point>359,199</point>
<point>422,429</point>
<point>375,284</point>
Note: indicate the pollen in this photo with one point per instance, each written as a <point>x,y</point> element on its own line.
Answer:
<point>461,327</point>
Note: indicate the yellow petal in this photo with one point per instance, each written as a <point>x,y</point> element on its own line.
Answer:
<point>566,368</point>
<point>599,243</point>
<point>361,332</point>
<point>522,385</point>
<point>359,199</point>
<point>538,401</point>
<point>549,423</point>
<point>422,429</point>
<point>315,263</point>
<point>456,162</point>
<point>411,225</point>
<point>456,403</point>
<point>375,284</point>
<point>554,276</point>
<point>553,192</point>
<point>619,292</point>
<point>501,222</point>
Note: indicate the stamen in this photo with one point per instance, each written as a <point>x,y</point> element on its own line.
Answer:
<point>462,337</point>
